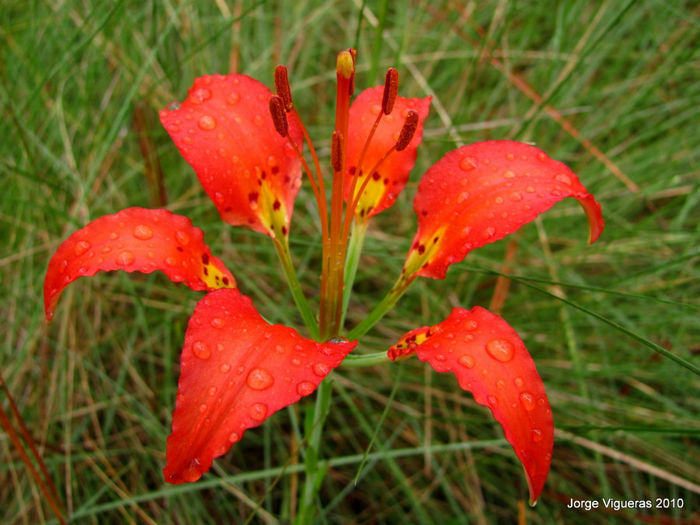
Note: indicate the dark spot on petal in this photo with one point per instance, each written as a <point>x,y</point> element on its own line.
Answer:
<point>421,249</point>
<point>352,170</point>
<point>284,230</point>
<point>224,280</point>
<point>263,176</point>
<point>376,176</point>
<point>253,197</point>
<point>276,205</point>
<point>206,271</point>
<point>275,170</point>
<point>205,258</point>
<point>180,249</point>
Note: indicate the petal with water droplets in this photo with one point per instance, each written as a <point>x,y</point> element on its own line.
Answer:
<point>480,193</point>
<point>387,181</point>
<point>236,370</point>
<point>136,240</point>
<point>491,361</point>
<point>224,130</point>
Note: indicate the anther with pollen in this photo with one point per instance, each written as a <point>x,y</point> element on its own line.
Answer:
<point>391,90</point>
<point>282,87</point>
<point>407,131</point>
<point>279,115</point>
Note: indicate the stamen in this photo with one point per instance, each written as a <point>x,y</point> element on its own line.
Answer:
<point>279,116</point>
<point>409,129</point>
<point>337,151</point>
<point>282,87</point>
<point>391,90</point>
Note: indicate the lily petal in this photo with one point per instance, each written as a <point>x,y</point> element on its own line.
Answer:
<point>491,361</point>
<point>480,193</point>
<point>391,175</point>
<point>136,240</point>
<point>224,130</point>
<point>236,371</point>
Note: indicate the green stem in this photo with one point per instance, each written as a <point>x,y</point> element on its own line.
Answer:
<point>382,307</point>
<point>357,240</point>
<point>295,287</point>
<point>378,358</point>
<point>315,471</point>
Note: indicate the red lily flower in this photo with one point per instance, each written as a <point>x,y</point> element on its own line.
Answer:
<point>236,369</point>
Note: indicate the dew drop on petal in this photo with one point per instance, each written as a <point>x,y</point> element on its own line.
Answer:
<point>217,322</point>
<point>467,163</point>
<point>537,435</point>
<point>296,361</point>
<point>170,261</point>
<point>193,472</point>
<point>173,106</point>
<point>232,99</point>
<point>200,95</point>
<point>466,361</point>
<point>225,367</point>
<point>489,232</point>
<point>321,369</point>
<point>305,388</point>
<point>471,325</point>
<point>518,381</point>
<point>81,247</point>
<point>233,437</point>
<point>508,174</point>
<point>527,401</point>
<point>206,122</point>
<point>516,196</point>
<point>182,237</point>
<point>201,349</point>
<point>125,258</point>
<point>564,178</point>
<point>259,379</point>
<point>500,349</point>
<point>500,383</point>
<point>258,411</point>
<point>143,232</point>
<point>492,401</point>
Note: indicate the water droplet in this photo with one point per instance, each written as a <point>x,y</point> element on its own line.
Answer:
<point>206,122</point>
<point>201,349</point>
<point>203,408</point>
<point>173,106</point>
<point>518,381</point>
<point>125,258</point>
<point>143,232</point>
<point>258,120</point>
<point>537,435</point>
<point>233,437</point>
<point>500,349</point>
<point>279,349</point>
<point>541,157</point>
<point>463,196</point>
<point>500,383</point>
<point>508,174</point>
<point>527,401</point>
<point>375,109</point>
<point>212,390</point>
<point>258,411</point>
<point>321,369</point>
<point>217,322</point>
<point>218,198</point>
<point>440,357</point>
<point>489,232</point>
<point>81,247</point>
<point>466,361</point>
<point>296,361</point>
<point>498,200</point>
<point>305,388</point>
<point>530,189</point>
<point>193,472</point>
<point>170,261</point>
<point>182,237</point>
<point>200,95</point>
<point>467,163</point>
<point>225,367</point>
<point>232,99</point>
<point>564,178</point>
<point>259,379</point>
<point>492,401</point>
<point>471,325</point>
<point>516,196</point>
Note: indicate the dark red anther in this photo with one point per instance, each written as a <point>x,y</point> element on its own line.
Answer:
<point>337,151</point>
<point>408,130</point>
<point>282,87</point>
<point>391,90</point>
<point>279,115</point>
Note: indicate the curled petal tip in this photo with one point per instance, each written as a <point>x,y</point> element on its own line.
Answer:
<point>491,361</point>
<point>480,193</point>
<point>136,240</point>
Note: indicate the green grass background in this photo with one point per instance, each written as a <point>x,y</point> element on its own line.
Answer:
<point>97,387</point>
